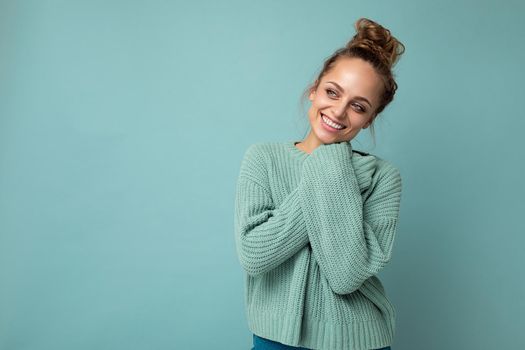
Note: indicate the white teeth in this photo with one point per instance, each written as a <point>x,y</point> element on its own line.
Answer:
<point>331,123</point>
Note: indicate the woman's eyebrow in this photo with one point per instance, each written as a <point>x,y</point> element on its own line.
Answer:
<point>355,97</point>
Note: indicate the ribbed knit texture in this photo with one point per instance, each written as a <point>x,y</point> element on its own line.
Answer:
<point>311,232</point>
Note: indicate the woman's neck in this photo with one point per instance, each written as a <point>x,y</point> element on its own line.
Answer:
<point>310,143</point>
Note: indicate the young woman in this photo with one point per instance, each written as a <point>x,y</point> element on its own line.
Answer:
<point>315,220</point>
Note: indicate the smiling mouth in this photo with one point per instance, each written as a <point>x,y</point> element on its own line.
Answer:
<point>332,123</point>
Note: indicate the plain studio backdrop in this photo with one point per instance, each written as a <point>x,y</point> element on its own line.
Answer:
<point>122,128</point>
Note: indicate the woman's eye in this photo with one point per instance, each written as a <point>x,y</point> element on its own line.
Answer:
<point>330,92</point>
<point>359,108</point>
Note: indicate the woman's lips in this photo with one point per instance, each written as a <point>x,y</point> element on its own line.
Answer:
<point>328,127</point>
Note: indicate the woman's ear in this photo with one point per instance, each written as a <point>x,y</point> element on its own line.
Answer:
<point>311,96</point>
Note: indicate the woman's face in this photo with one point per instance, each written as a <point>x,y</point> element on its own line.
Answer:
<point>348,95</point>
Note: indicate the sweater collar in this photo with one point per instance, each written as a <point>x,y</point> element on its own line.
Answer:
<point>298,153</point>
<point>295,151</point>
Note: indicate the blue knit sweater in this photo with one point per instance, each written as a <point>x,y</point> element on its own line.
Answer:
<point>311,232</point>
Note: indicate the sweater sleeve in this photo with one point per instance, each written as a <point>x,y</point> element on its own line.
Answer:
<point>351,237</point>
<point>266,235</point>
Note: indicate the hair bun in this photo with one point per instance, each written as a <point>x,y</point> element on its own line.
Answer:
<point>371,36</point>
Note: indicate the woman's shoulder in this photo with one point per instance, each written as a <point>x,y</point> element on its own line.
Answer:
<point>258,152</point>
<point>264,152</point>
<point>256,159</point>
<point>383,167</point>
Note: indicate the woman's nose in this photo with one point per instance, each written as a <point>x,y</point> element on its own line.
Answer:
<point>339,109</point>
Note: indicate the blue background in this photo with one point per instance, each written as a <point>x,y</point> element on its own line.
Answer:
<point>123,124</point>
